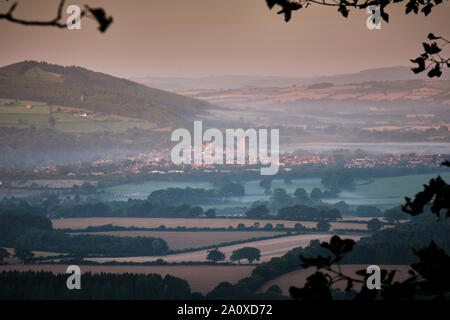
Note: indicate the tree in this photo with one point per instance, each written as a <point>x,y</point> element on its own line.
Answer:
<point>23,254</point>
<point>342,206</point>
<point>249,253</point>
<point>394,215</point>
<point>299,227</point>
<point>266,183</point>
<point>232,189</point>
<point>374,225</point>
<point>279,226</point>
<point>323,226</point>
<point>215,255</point>
<point>268,227</point>
<point>258,212</point>
<point>301,196</point>
<point>316,194</point>
<point>210,213</point>
<point>281,199</point>
<point>432,51</point>
<point>97,13</point>
<point>368,211</point>
<point>337,180</point>
<point>3,254</point>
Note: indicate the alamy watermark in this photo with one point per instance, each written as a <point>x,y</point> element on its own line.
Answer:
<point>73,21</point>
<point>373,22</point>
<point>74,280</point>
<point>208,147</point>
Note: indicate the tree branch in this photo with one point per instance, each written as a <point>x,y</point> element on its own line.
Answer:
<point>98,14</point>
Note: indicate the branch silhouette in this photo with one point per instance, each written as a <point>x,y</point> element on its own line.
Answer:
<point>431,58</point>
<point>97,13</point>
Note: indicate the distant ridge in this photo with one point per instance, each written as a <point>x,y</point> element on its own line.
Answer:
<point>79,87</point>
<point>237,82</point>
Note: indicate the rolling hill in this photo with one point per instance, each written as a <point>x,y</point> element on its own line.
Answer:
<point>78,87</point>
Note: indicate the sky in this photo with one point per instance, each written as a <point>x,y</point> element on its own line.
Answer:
<point>193,38</point>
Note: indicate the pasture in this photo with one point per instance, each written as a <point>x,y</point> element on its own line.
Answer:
<point>23,113</point>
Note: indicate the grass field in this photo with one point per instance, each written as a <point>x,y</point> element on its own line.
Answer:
<point>24,113</point>
<point>201,278</point>
<point>298,278</point>
<point>270,248</point>
<point>382,192</point>
<point>83,223</point>
<point>185,240</point>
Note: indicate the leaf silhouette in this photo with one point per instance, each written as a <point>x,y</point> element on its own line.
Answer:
<point>100,15</point>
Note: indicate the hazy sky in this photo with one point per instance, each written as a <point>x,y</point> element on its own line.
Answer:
<point>215,37</point>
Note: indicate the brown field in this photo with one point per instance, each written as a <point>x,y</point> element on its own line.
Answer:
<point>269,249</point>
<point>37,254</point>
<point>201,278</point>
<point>183,240</point>
<point>298,278</point>
<point>82,223</point>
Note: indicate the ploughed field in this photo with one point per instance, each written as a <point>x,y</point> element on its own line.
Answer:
<point>83,223</point>
<point>269,248</point>
<point>200,278</point>
<point>186,239</point>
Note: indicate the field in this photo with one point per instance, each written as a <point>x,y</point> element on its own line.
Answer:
<point>201,278</point>
<point>24,113</point>
<point>382,192</point>
<point>37,254</point>
<point>270,248</point>
<point>185,240</point>
<point>83,223</point>
<point>298,278</point>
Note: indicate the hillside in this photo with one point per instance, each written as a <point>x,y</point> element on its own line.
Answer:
<point>429,92</point>
<point>96,92</point>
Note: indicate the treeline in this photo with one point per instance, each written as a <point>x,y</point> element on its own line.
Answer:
<point>296,212</point>
<point>35,233</point>
<point>194,196</point>
<point>32,285</point>
<point>161,205</point>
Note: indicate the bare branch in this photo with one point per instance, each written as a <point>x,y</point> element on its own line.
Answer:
<point>103,21</point>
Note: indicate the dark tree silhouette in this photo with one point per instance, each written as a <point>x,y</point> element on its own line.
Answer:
<point>23,254</point>
<point>215,255</point>
<point>431,58</point>
<point>429,277</point>
<point>249,253</point>
<point>97,13</point>
<point>3,254</point>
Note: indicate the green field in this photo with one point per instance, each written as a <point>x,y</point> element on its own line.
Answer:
<point>382,192</point>
<point>15,113</point>
<point>387,192</point>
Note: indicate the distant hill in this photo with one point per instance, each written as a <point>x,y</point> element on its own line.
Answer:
<point>81,88</point>
<point>241,82</point>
